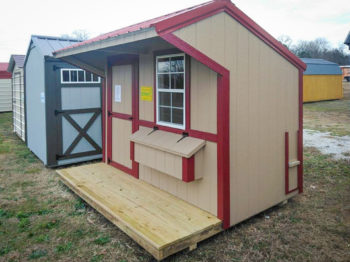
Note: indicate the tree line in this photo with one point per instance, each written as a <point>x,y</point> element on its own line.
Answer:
<point>318,48</point>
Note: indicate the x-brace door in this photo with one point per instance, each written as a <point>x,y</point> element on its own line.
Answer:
<point>82,132</point>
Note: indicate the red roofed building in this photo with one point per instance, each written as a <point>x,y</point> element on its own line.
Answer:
<point>204,104</point>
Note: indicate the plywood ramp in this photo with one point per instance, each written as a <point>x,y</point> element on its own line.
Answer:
<point>158,221</point>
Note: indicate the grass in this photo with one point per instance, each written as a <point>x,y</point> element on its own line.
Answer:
<point>329,116</point>
<point>42,220</point>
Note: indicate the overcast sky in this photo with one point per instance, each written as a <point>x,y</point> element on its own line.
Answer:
<point>300,19</point>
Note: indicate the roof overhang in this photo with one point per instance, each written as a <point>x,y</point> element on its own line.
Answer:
<point>109,42</point>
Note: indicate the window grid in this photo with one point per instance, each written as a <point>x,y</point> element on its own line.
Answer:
<point>77,75</point>
<point>171,91</point>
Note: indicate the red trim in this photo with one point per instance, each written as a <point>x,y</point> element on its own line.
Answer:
<point>5,76</point>
<point>286,162</point>
<point>188,92</point>
<point>103,120</point>
<point>109,117</point>
<point>120,115</point>
<point>300,134</point>
<point>176,22</point>
<point>121,167</point>
<point>286,165</point>
<point>188,169</point>
<point>223,155</point>
<point>223,118</point>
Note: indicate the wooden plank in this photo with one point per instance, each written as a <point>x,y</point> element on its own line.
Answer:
<point>158,221</point>
<point>168,142</point>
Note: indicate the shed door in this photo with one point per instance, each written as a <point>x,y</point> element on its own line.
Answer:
<point>121,116</point>
<point>79,116</point>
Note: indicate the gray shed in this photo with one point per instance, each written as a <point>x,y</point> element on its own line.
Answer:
<point>16,68</point>
<point>62,105</point>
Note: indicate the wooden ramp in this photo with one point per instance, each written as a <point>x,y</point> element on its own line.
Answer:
<point>158,221</point>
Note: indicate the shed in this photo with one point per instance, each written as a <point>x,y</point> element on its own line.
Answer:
<point>62,105</point>
<point>202,123</point>
<point>15,67</point>
<point>346,72</point>
<point>5,89</point>
<point>322,80</point>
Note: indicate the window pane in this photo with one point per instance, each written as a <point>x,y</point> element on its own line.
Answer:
<point>81,76</point>
<point>73,76</point>
<point>177,81</point>
<point>95,78</point>
<point>177,99</point>
<point>164,98</point>
<point>177,116</point>
<point>65,74</point>
<point>163,81</point>
<point>163,65</point>
<point>177,64</point>
<point>88,77</point>
<point>164,114</point>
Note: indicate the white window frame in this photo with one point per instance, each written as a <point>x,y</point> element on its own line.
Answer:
<point>183,91</point>
<point>78,82</point>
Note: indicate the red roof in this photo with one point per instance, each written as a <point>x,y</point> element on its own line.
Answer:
<point>135,27</point>
<point>3,71</point>
<point>173,21</point>
<point>3,66</point>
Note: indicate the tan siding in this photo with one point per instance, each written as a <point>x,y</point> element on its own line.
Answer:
<point>203,98</point>
<point>159,160</point>
<point>146,74</point>
<point>121,131</point>
<point>202,192</point>
<point>263,105</point>
<point>121,75</point>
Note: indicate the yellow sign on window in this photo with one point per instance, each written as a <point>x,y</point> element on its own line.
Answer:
<point>146,93</point>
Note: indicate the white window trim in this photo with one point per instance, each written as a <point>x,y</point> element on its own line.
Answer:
<point>78,82</point>
<point>183,91</point>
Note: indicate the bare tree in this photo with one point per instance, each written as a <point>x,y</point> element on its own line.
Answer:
<point>79,34</point>
<point>321,48</point>
<point>285,40</point>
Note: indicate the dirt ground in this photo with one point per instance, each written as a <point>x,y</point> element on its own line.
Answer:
<point>42,220</point>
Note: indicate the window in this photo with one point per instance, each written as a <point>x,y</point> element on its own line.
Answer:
<point>170,81</point>
<point>69,76</point>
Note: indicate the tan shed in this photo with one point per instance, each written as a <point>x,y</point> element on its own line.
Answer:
<point>201,106</point>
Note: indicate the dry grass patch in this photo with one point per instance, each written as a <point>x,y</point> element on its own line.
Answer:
<point>329,116</point>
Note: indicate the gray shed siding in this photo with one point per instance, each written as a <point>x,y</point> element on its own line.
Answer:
<point>35,107</point>
<point>5,95</point>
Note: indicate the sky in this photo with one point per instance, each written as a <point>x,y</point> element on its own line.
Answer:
<point>299,19</point>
